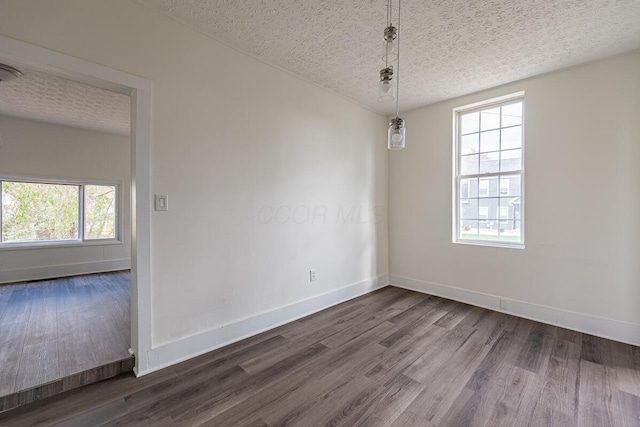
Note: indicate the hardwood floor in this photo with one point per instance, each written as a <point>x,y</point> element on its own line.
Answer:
<point>53,329</point>
<point>389,358</point>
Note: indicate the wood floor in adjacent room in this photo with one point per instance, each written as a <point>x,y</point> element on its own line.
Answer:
<point>389,358</point>
<point>52,329</point>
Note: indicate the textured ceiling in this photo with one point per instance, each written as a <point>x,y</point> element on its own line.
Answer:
<point>48,98</point>
<point>449,47</point>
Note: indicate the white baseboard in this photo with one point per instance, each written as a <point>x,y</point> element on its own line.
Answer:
<point>187,348</point>
<point>53,271</point>
<point>599,326</point>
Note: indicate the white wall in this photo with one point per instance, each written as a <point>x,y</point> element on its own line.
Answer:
<point>582,255</point>
<point>31,148</point>
<point>230,136</point>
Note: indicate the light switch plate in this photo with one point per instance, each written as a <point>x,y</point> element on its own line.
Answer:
<point>162,202</point>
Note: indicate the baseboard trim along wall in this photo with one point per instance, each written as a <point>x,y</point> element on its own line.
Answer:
<point>54,271</point>
<point>187,348</point>
<point>599,326</point>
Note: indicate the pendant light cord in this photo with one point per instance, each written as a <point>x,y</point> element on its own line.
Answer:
<point>398,67</point>
<point>386,54</point>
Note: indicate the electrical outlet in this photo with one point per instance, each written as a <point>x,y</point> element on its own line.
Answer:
<point>313,275</point>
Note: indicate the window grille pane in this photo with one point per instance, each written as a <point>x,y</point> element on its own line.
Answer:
<point>468,208</point>
<point>470,123</point>
<point>512,114</point>
<point>504,186</point>
<point>510,185</point>
<point>468,188</point>
<point>489,231</point>
<point>34,212</point>
<point>512,205</point>
<point>490,119</point>
<point>99,212</point>
<point>503,213</point>
<point>469,144</point>
<point>469,164</point>
<point>469,230</point>
<point>488,187</point>
<point>490,141</point>
<point>511,232</point>
<point>511,138</point>
<point>483,213</point>
<point>510,160</point>
<point>488,208</point>
<point>490,162</point>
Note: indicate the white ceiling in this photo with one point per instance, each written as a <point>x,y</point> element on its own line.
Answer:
<point>449,47</point>
<point>48,98</point>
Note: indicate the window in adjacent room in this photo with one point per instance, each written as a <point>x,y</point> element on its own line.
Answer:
<point>43,212</point>
<point>99,212</point>
<point>489,172</point>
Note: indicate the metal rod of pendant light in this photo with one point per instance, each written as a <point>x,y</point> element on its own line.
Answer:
<point>386,57</point>
<point>386,86</point>
<point>398,66</point>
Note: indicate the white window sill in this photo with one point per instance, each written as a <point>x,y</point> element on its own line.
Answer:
<point>490,244</point>
<point>60,244</point>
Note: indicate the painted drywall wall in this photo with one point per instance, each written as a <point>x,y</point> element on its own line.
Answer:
<point>582,186</point>
<point>267,176</point>
<point>36,149</point>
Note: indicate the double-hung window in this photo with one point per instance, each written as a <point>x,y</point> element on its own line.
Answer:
<point>40,212</point>
<point>489,172</point>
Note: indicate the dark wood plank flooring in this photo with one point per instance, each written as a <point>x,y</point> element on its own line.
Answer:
<point>390,358</point>
<point>53,329</point>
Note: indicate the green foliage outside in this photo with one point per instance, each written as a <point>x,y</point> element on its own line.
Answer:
<point>37,212</point>
<point>99,208</point>
<point>50,212</point>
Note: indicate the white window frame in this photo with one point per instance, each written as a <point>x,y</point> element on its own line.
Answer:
<point>479,106</point>
<point>80,241</point>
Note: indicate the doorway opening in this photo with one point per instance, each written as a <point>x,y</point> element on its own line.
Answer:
<point>81,308</point>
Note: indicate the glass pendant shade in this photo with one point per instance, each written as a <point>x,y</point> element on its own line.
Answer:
<point>396,134</point>
<point>386,86</point>
<point>390,51</point>
<point>390,45</point>
<point>386,91</point>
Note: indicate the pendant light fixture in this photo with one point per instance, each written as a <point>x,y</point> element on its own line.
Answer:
<point>396,131</point>
<point>386,89</point>
<point>7,72</point>
<point>390,38</point>
<point>386,92</point>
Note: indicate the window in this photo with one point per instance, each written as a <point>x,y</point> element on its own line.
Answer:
<point>99,212</point>
<point>34,212</point>
<point>489,173</point>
